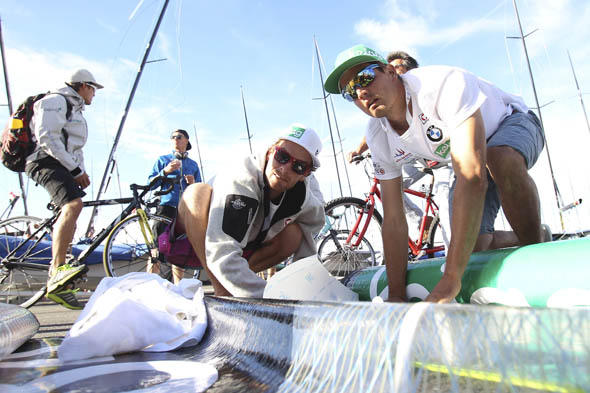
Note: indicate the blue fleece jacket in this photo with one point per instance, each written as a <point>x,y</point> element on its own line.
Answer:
<point>188,167</point>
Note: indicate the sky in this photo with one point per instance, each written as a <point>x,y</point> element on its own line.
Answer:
<point>212,51</point>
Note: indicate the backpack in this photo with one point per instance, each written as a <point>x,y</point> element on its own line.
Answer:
<point>17,137</point>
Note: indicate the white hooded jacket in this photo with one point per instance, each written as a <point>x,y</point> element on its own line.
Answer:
<point>236,217</point>
<point>49,117</point>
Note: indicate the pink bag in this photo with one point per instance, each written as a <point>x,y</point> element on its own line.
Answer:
<point>177,249</point>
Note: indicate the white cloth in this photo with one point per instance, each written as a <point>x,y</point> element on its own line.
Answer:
<point>442,98</point>
<point>137,312</point>
<point>307,279</point>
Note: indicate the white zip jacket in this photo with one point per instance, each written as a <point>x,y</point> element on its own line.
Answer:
<point>48,119</point>
<point>236,217</point>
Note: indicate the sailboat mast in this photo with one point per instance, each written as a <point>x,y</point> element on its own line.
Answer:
<point>246,117</point>
<point>110,161</point>
<point>579,91</point>
<point>9,98</point>
<point>526,53</point>
<point>328,116</point>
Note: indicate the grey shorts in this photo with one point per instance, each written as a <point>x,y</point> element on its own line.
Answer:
<point>56,179</point>
<point>522,132</point>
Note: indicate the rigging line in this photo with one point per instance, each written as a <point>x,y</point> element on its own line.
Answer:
<point>328,116</point>
<point>321,61</point>
<point>199,152</point>
<point>246,118</point>
<point>124,116</point>
<point>178,31</point>
<point>477,22</point>
<point>514,81</point>
<point>578,89</point>
<point>555,188</point>
<point>9,98</point>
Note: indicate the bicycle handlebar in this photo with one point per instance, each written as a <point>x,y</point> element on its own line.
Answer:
<point>360,157</point>
<point>170,181</point>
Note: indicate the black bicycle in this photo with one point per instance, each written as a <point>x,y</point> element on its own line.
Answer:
<point>25,244</point>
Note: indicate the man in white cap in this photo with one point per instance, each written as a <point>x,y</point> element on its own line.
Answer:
<point>256,216</point>
<point>446,114</point>
<point>57,163</point>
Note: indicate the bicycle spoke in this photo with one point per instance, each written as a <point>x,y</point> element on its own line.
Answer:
<point>23,278</point>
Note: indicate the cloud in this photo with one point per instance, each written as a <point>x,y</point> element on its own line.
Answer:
<point>410,30</point>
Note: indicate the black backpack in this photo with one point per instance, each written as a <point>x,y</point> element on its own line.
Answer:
<point>17,138</point>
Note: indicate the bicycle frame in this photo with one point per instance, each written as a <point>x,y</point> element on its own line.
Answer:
<point>415,247</point>
<point>135,203</point>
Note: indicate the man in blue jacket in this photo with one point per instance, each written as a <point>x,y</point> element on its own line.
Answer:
<point>175,164</point>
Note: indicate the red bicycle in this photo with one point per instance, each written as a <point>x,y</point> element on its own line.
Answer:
<point>351,238</point>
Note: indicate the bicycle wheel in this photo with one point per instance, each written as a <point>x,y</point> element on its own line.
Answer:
<point>340,258</point>
<point>23,282</point>
<point>429,241</point>
<point>126,250</point>
<point>342,215</point>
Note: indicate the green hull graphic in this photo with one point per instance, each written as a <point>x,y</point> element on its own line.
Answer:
<point>555,274</point>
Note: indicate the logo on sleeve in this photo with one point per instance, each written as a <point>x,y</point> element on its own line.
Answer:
<point>400,155</point>
<point>238,204</point>
<point>423,118</point>
<point>443,150</point>
<point>377,168</point>
<point>238,214</point>
<point>435,134</point>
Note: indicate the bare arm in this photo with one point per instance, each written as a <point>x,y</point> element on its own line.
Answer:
<point>395,238</point>
<point>362,147</point>
<point>468,153</point>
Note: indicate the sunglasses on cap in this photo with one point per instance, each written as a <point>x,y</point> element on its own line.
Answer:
<point>363,79</point>
<point>283,157</point>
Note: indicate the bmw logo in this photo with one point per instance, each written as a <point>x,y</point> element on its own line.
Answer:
<point>434,134</point>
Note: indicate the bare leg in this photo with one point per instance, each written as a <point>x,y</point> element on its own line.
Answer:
<point>277,249</point>
<point>177,273</point>
<point>63,231</point>
<point>518,193</point>
<point>192,219</point>
<point>495,240</point>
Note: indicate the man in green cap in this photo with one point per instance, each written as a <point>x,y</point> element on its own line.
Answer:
<point>446,114</point>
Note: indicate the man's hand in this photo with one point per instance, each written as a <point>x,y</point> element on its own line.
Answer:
<point>172,166</point>
<point>351,155</point>
<point>190,179</point>
<point>83,180</point>
<point>445,291</point>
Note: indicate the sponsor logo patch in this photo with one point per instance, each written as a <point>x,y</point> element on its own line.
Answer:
<point>443,150</point>
<point>297,132</point>
<point>434,133</point>
<point>238,204</point>
<point>423,118</point>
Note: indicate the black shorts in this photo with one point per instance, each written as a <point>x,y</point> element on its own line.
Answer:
<point>56,179</point>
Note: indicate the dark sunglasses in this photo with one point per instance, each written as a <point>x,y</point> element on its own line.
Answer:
<point>363,79</point>
<point>176,137</point>
<point>283,157</point>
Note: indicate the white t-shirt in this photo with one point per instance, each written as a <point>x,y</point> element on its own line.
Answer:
<point>442,98</point>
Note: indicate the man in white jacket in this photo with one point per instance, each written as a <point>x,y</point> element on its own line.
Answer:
<point>256,216</point>
<point>57,163</point>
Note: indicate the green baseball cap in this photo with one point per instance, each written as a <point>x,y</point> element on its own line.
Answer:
<point>348,58</point>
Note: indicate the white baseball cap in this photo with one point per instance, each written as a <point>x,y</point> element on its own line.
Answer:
<point>306,138</point>
<point>84,76</point>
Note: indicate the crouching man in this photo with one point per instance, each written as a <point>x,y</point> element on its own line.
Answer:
<point>255,216</point>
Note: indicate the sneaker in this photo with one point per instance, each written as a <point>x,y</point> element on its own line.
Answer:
<point>64,274</point>
<point>66,298</point>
